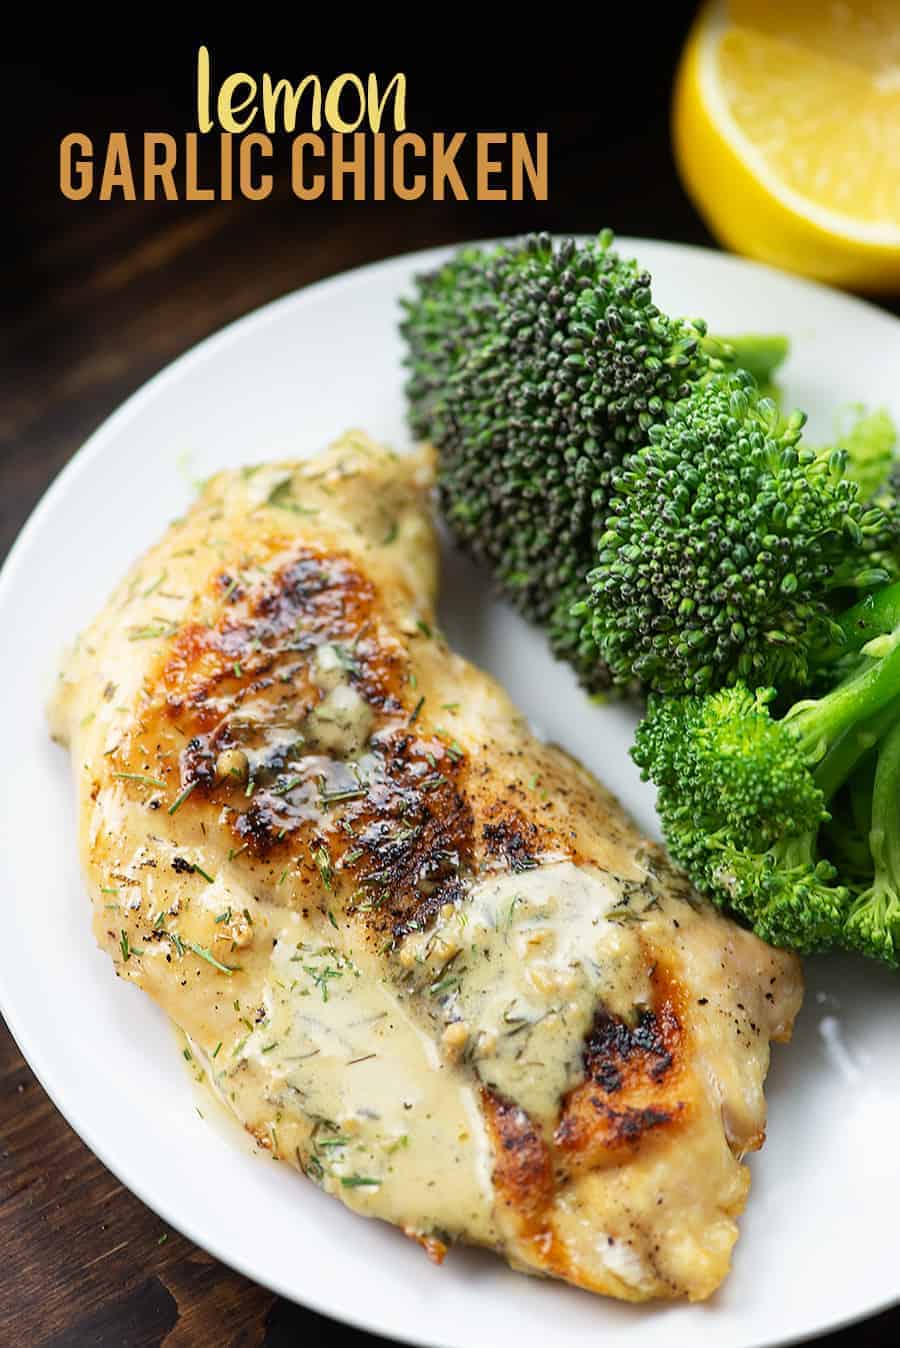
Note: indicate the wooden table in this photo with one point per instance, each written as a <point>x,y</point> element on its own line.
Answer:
<point>97,299</point>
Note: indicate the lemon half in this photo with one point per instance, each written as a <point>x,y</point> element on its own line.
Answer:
<point>787,134</point>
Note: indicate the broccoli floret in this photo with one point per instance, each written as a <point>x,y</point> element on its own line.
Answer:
<point>870,439</point>
<point>742,795</point>
<point>762,356</point>
<point>786,895</point>
<point>534,368</point>
<point>873,923</point>
<point>725,768</point>
<point>724,542</point>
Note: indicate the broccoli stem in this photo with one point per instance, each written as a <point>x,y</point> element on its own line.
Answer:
<point>838,764</point>
<point>760,354</point>
<point>884,838</point>
<point>818,724</point>
<point>873,923</point>
<point>845,754</point>
<point>874,616</point>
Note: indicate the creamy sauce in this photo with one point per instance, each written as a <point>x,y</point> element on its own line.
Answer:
<point>361,1063</point>
<point>514,976</point>
<point>342,722</point>
<point>208,1102</point>
<point>391,1129</point>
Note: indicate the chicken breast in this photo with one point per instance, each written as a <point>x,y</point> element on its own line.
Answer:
<point>422,956</point>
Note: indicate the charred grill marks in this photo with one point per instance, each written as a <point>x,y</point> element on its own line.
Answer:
<point>613,1043</point>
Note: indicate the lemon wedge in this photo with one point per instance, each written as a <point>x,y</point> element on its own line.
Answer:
<point>786,126</point>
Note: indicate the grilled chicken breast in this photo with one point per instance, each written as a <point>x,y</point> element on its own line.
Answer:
<point>422,956</point>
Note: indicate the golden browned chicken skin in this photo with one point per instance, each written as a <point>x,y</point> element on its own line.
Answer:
<point>422,956</point>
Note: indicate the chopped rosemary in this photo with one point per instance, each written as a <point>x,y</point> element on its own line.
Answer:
<point>414,715</point>
<point>148,633</point>
<point>312,1168</point>
<point>322,977</point>
<point>281,496</point>
<point>181,798</point>
<point>444,985</point>
<point>155,584</point>
<point>345,657</point>
<point>327,797</point>
<point>211,959</point>
<point>323,863</point>
<point>139,777</point>
<point>177,942</point>
<point>127,950</point>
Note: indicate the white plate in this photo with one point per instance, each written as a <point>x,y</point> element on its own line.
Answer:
<point>818,1245</point>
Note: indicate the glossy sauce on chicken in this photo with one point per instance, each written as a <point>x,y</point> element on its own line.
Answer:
<point>422,956</point>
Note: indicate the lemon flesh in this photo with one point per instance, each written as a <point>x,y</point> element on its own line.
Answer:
<point>787,134</point>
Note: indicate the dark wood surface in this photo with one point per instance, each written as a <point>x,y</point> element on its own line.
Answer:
<point>97,299</point>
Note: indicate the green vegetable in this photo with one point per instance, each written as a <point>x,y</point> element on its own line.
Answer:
<point>725,541</point>
<point>845,836</point>
<point>873,924</point>
<point>534,368</point>
<point>743,795</point>
<point>761,356</point>
<point>870,439</point>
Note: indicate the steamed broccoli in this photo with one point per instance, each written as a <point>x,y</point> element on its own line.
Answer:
<point>761,356</point>
<point>873,923</point>
<point>844,838</point>
<point>724,543</point>
<point>788,896</point>
<point>632,489</point>
<point>870,439</point>
<point>791,893</point>
<point>743,795</point>
<point>875,615</point>
<point>534,368</point>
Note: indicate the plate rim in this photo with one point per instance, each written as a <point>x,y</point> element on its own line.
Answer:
<point>80,460</point>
